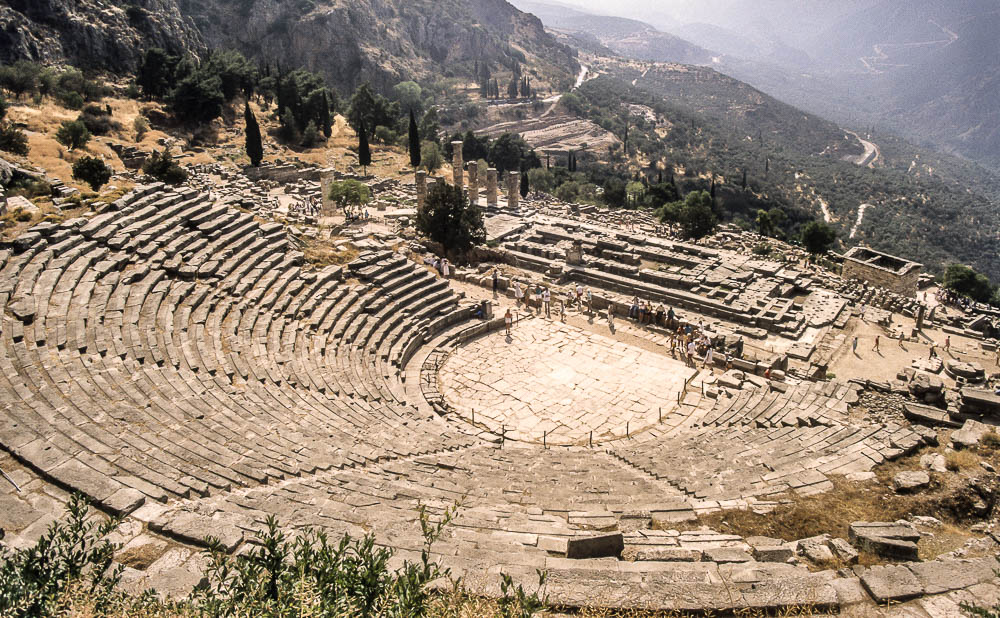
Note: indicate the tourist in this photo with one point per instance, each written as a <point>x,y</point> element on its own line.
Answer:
<point>901,338</point>
<point>729,361</point>
<point>633,311</point>
<point>933,352</point>
<point>496,281</point>
<point>590,304</point>
<point>708,357</point>
<point>611,316</point>
<point>947,344</point>
<point>875,347</point>
<point>445,268</point>
<point>579,295</point>
<point>863,306</point>
<point>546,298</point>
<point>690,353</point>
<point>854,346</point>
<point>660,311</point>
<point>671,316</point>
<point>436,264</point>
<point>508,318</point>
<point>518,293</point>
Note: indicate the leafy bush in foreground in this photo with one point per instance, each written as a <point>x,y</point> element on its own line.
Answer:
<point>70,571</point>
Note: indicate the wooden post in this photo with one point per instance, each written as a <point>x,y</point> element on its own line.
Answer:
<point>591,438</point>
<point>545,435</point>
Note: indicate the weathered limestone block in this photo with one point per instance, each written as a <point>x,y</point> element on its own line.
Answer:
<point>474,182</point>
<point>421,180</point>
<point>457,163</point>
<point>596,546</point>
<point>491,187</point>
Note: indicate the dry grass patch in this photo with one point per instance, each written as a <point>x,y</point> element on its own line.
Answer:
<point>961,460</point>
<point>831,512</point>
<point>324,253</point>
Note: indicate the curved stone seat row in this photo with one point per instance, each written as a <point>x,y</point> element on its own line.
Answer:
<point>169,348</point>
<point>758,445</point>
<point>521,507</point>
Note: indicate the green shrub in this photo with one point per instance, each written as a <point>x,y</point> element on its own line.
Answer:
<point>140,126</point>
<point>73,134</point>
<point>92,171</point>
<point>98,120</point>
<point>161,166</point>
<point>13,140</point>
<point>35,581</point>
<point>71,99</point>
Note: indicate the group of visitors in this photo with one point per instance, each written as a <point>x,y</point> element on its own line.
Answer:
<point>643,313</point>
<point>693,343</point>
<point>529,294</point>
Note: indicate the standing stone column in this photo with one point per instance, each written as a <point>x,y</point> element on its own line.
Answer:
<point>421,177</point>
<point>456,163</point>
<point>474,182</point>
<point>491,187</point>
<point>513,189</point>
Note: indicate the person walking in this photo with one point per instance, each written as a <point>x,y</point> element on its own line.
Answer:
<point>901,339</point>
<point>518,293</point>
<point>854,346</point>
<point>933,351</point>
<point>708,357</point>
<point>590,302</point>
<point>579,295</point>
<point>875,347</point>
<point>546,299</point>
<point>496,281</point>
<point>508,318</point>
<point>445,268</point>
<point>947,344</point>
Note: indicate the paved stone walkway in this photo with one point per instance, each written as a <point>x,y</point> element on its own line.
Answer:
<point>556,378</point>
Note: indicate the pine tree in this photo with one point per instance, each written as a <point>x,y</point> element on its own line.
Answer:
<point>255,147</point>
<point>414,141</point>
<point>364,152</point>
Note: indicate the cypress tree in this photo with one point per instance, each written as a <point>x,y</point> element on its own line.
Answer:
<point>364,152</point>
<point>524,185</point>
<point>255,147</point>
<point>325,120</point>
<point>414,141</point>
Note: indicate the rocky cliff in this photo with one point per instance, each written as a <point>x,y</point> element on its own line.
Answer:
<point>349,41</point>
<point>93,34</point>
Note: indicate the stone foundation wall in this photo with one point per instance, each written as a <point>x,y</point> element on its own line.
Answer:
<point>904,283</point>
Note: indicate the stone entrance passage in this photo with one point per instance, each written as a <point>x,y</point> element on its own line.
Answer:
<point>558,379</point>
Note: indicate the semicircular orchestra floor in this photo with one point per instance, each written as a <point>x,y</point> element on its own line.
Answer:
<point>556,381</point>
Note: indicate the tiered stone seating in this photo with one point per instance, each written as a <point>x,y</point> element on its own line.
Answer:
<point>762,443</point>
<point>170,348</point>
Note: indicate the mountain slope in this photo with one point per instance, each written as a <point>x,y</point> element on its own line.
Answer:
<point>348,41</point>
<point>385,41</point>
<point>628,37</point>
<point>92,34</point>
